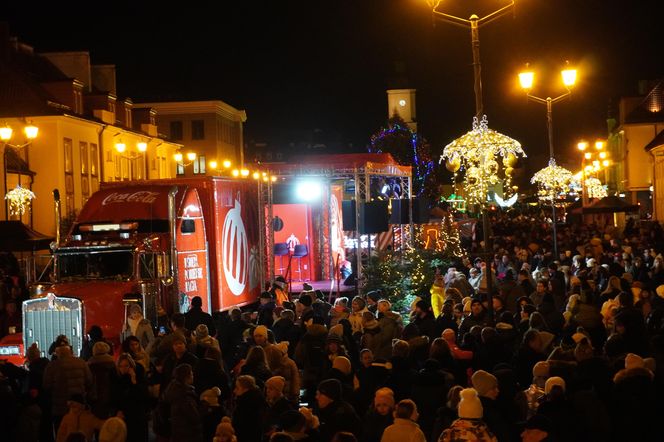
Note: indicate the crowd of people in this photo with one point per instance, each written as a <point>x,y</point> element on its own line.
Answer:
<point>565,348</point>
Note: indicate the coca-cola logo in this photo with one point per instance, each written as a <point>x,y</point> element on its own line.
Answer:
<point>142,196</point>
<point>235,250</point>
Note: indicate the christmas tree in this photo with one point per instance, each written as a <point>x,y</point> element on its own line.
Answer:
<point>449,234</point>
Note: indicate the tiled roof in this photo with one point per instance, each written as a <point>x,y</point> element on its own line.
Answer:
<point>651,108</point>
<point>657,141</point>
<point>20,90</point>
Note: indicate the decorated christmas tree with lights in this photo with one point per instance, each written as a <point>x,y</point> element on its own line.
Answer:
<point>449,235</point>
<point>408,149</point>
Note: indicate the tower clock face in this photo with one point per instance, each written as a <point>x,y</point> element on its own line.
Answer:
<point>402,103</point>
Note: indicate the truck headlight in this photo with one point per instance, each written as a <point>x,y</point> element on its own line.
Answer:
<point>9,350</point>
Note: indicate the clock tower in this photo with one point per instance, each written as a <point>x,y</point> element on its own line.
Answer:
<point>402,103</point>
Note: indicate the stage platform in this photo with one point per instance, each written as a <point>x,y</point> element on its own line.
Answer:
<point>328,287</point>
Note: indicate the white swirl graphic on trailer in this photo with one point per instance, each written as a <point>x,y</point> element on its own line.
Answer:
<point>235,250</point>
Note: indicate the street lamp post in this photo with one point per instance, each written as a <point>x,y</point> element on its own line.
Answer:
<point>569,78</point>
<point>474,23</point>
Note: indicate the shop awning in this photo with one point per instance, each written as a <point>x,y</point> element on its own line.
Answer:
<point>17,237</point>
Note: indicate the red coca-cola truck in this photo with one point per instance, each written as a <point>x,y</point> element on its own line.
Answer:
<point>157,243</point>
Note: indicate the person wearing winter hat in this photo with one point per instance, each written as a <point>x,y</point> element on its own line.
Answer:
<point>535,392</point>
<point>260,335</point>
<point>469,425</point>
<point>277,403</point>
<point>211,396</point>
<point>487,389</point>
<point>405,424</point>
<point>331,391</point>
<point>372,300</point>
<point>279,290</point>
<point>554,381</point>
<point>113,430</point>
<point>541,373</point>
<point>485,384</point>
<point>225,431</point>
<point>334,414</point>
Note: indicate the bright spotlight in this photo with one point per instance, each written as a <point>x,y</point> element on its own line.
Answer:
<point>308,190</point>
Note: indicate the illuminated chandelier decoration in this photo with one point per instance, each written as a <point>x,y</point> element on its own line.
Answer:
<point>595,188</point>
<point>477,153</point>
<point>552,181</point>
<point>19,200</point>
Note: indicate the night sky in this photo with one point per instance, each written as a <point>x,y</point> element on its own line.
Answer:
<point>298,65</point>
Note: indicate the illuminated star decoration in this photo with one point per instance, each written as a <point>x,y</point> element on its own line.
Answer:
<point>19,200</point>
<point>478,152</point>
<point>552,181</point>
<point>595,188</point>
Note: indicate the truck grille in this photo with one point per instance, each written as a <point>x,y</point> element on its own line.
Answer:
<point>46,318</point>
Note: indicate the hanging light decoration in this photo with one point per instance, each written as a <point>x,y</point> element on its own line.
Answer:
<point>482,153</point>
<point>19,200</point>
<point>595,189</point>
<point>552,181</point>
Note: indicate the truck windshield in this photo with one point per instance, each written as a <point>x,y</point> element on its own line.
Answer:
<point>107,265</point>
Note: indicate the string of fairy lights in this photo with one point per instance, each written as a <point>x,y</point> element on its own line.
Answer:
<point>421,159</point>
<point>552,181</point>
<point>482,154</point>
<point>19,200</point>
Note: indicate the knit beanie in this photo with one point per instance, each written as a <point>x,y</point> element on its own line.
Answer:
<point>211,396</point>
<point>100,348</point>
<point>552,382</point>
<point>276,382</point>
<point>261,330</point>
<point>660,291</point>
<point>202,331</point>
<point>113,430</point>
<point>633,361</point>
<point>225,428</point>
<point>330,388</point>
<point>470,406</point>
<point>342,364</point>
<point>483,382</point>
<point>541,369</point>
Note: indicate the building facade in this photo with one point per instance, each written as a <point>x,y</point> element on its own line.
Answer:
<point>639,158</point>
<point>213,130</point>
<point>87,135</point>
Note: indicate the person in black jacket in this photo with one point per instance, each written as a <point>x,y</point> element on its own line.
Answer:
<point>250,410</point>
<point>196,316</point>
<point>333,413</point>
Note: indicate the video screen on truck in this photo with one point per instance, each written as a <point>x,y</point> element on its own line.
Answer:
<point>117,265</point>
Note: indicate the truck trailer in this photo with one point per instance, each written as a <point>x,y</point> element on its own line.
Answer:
<point>156,243</point>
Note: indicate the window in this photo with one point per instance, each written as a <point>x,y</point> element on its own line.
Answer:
<point>180,169</point>
<point>197,130</point>
<point>85,171</point>
<point>69,176</point>
<point>176,130</point>
<point>94,167</point>
<point>188,226</point>
<point>199,165</point>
